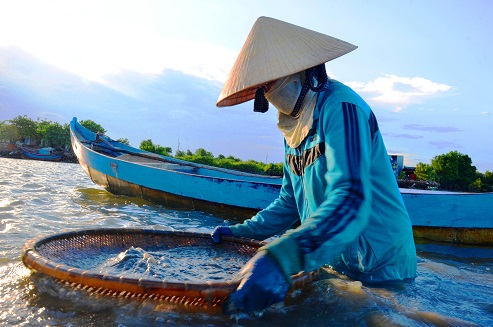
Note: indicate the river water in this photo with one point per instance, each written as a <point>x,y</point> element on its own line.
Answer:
<point>454,286</point>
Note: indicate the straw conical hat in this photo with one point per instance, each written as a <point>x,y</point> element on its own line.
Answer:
<point>275,49</point>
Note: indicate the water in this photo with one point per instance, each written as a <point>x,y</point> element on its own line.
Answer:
<point>454,286</point>
<point>195,263</point>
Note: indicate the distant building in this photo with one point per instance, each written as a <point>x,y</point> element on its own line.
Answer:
<point>409,171</point>
<point>397,162</point>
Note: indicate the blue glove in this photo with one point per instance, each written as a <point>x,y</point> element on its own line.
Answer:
<point>262,284</point>
<point>220,231</point>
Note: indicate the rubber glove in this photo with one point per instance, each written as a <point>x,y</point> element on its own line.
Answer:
<point>262,284</point>
<point>220,231</point>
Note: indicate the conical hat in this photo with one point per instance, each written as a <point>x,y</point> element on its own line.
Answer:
<point>275,49</point>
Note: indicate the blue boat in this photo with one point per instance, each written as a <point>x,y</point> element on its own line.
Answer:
<point>124,170</point>
<point>45,154</point>
<point>174,183</point>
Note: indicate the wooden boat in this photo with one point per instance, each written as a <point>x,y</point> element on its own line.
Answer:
<point>456,217</point>
<point>174,183</point>
<point>45,154</point>
<point>124,170</point>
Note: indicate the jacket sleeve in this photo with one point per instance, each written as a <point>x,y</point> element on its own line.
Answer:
<point>345,210</point>
<point>275,219</point>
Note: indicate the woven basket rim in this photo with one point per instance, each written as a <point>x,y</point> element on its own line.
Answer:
<point>34,260</point>
<point>208,295</point>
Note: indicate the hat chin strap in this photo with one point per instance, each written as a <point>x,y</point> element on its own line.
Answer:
<point>313,74</point>
<point>260,104</point>
<point>317,73</point>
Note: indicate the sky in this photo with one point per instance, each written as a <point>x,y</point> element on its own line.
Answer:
<point>424,67</point>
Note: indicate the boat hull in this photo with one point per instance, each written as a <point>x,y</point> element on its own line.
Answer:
<point>43,157</point>
<point>478,236</point>
<point>177,184</point>
<point>456,217</point>
<point>169,200</point>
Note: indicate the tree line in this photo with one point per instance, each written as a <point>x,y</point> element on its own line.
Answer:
<point>41,132</point>
<point>205,157</point>
<point>452,171</point>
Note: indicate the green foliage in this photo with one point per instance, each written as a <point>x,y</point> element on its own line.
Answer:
<point>8,132</point>
<point>179,153</point>
<point>92,126</point>
<point>483,182</point>
<point>454,171</point>
<point>274,169</point>
<point>424,172</point>
<point>488,177</point>
<point>44,132</point>
<point>205,157</point>
<point>42,128</point>
<point>57,135</point>
<point>52,133</point>
<point>26,127</point>
<point>402,175</point>
<point>124,140</point>
<point>165,151</point>
<point>200,152</point>
<point>148,146</point>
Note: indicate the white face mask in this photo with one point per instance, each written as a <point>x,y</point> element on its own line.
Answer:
<point>285,91</point>
<point>283,95</point>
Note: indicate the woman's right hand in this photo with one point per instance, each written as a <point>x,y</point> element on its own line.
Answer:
<point>220,231</point>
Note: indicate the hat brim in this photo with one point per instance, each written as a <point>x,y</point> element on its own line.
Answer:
<point>276,49</point>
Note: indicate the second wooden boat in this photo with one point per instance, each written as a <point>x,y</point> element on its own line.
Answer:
<point>124,170</point>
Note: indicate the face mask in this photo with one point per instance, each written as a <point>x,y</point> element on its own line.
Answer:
<point>284,95</point>
<point>285,91</point>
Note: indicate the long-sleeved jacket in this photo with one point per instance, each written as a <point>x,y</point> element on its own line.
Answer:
<point>339,183</point>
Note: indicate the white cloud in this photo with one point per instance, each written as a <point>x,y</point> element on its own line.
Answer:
<point>400,91</point>
<point>93,39</point>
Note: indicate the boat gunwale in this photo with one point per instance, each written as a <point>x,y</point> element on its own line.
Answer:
<point>263,179</point>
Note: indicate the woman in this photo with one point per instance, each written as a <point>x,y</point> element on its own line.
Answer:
<point>338,181</point>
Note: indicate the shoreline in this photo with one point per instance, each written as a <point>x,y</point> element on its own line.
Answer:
<point>68,157</point>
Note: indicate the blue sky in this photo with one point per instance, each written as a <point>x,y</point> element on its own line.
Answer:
<point>423,66</point>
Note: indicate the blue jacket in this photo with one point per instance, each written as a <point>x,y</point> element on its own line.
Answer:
<point>339,183</point>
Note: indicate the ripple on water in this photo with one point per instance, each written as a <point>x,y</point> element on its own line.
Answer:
<point>33,186</point>
<point>8,203</point>
<point>5,225</point>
